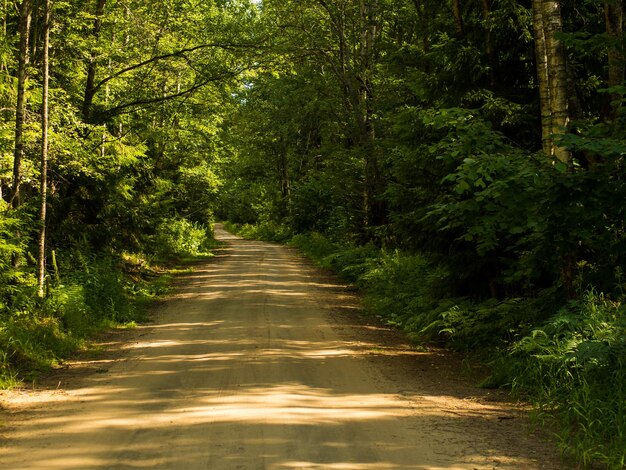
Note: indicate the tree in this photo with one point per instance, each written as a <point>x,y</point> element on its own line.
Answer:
<point>344,35</point>
<point>22,77</point>
<point>45,123</point>
<point>90,88</point>
<point>551,76</point>
<point>614,21</point>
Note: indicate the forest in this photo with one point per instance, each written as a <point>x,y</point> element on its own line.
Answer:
<point>460,162</point>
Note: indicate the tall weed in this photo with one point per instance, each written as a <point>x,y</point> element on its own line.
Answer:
<point>574,369</point>
<point>400,290</point>
<point>104,292</point>
<point>96,294</point>
<point>32,343</point>
<point>316,246</point>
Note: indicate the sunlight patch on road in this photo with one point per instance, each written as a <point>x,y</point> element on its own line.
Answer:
<point>294,404</point>
<point>154,344</point>
<point>308,353</point>
<point>291,404</point>
<point>339,466</point>
<point>167,326</point>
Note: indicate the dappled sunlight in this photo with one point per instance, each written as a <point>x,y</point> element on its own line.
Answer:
<point>308,353</point>
<point>278,410</point>
<point>245,369</point>
<point>295,404</point>
<point>292,404</point>
<point>184,326</point>
<point>338,466</point>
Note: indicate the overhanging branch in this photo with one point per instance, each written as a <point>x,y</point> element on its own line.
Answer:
<point>170,55</point>
<point>124,108</point>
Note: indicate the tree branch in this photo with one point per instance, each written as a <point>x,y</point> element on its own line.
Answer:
<point>179,53</point>
<point>123,108</point>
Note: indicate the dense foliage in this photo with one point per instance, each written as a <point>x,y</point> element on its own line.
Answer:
<point>462,162</point>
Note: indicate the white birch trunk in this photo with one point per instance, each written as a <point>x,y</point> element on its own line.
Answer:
<point>41,271</point>
<point>551,77</point>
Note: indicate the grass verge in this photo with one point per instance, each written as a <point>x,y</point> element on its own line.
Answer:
<point>108,294</point>
<point>97,294</point>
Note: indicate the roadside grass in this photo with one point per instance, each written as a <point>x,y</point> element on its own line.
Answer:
<point>570,364</point>
<point>38,339</point>
<point>98,293</point>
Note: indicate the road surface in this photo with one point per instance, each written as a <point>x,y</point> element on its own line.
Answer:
<point>261,362</point>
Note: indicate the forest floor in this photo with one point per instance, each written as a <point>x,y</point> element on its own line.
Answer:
<point>260,361</point>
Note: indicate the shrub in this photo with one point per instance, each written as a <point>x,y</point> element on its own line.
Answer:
<point>180,237</point>
<point>403,290</point>
<point>68,304</point>
<point>574,368</point>
<point>311,206</point>
<point>104,293</point>
<point>267,231</point>
<point>316,246</point>
<point>16,285</point>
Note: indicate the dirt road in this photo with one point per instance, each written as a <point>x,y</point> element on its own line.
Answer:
<point>260,362</point>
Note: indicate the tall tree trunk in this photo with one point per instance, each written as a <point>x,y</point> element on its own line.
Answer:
<point>20,108</point>
<point>486,7</point>
<point>551,77</point>
<point>353,69</point>
<point>614,21</point>
<point>557,75</point>
<point>374,207</point>
<point>41,271</point>
<point>283,169</point>
<point>458,18</point>
<point>541,59</point>
<point>90,89</point>
<point>5,11</point>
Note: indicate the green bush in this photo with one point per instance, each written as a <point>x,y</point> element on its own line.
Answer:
<point>350,262</point>
<point>267,231</point>
<point>574,369</point>
<point>16,283</point>
<point>404,290</point>
<point>354,263</point>
<point>104,292</point>
<point>68,304</point>
<point>311,206</point>
<point>316,246</point>
<point>180,237</point>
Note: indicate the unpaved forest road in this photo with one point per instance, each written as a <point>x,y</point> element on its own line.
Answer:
<point>259,362</point>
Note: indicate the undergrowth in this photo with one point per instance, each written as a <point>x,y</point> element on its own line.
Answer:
<point>179,238</point>
<point>267,231</point>
<point>100,296</point>
<point>573,367</point>
<point>86,294</point>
